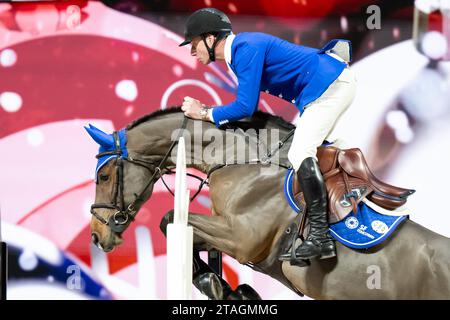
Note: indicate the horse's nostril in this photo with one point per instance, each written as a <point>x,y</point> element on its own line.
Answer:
<point>94,237</point>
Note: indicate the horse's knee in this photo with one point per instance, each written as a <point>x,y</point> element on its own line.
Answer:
<point>168,218</point>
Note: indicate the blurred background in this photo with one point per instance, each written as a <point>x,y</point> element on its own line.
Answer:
<point>65,64</point>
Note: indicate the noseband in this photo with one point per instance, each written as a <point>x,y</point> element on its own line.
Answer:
<point>119,221</point>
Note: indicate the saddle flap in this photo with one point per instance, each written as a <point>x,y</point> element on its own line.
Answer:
<point>340,189</point>
<point>339,201</point>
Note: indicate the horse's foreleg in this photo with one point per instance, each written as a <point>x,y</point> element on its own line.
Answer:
<point>217,233</point>
<point>215,287</point>
<point>199,243</point>
<point>214,231</point>
<point>209,231</point>
<point>205,279</point>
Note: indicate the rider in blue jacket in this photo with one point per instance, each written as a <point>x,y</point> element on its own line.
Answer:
<point>318,82</point>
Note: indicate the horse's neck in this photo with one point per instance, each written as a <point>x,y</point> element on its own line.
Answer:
<point>152,140</point>
<point>206,146</point>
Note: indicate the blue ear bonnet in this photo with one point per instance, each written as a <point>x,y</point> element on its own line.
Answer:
<point>107,143</point>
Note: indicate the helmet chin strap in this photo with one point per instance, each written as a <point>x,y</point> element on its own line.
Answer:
<point>211,51</point>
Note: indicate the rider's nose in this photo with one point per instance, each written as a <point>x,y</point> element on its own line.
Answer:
<point>94,238</point>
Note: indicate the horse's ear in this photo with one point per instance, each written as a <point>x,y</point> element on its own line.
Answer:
<point>102,138</point>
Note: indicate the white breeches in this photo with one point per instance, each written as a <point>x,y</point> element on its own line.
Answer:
<point>320,117</point>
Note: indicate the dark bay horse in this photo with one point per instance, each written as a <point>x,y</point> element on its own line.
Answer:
<point>250,217</point>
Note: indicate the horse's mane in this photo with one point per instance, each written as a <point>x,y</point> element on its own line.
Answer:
<point>152,115</point>
<point>259,120</point>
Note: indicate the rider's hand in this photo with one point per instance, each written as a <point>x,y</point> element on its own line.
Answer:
<point>191,108</point>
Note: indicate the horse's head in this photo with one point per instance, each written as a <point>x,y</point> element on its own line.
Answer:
<point>123,184</point>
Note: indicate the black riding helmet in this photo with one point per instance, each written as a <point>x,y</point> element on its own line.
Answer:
<point>207,20</point>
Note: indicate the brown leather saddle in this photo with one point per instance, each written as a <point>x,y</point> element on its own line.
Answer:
<point>348,180</point>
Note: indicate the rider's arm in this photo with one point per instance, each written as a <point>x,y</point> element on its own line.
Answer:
<point>249,65</point>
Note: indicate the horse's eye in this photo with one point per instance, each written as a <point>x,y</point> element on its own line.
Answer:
<point>104,177</point>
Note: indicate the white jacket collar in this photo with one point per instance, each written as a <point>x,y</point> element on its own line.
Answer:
<point>228,43</point>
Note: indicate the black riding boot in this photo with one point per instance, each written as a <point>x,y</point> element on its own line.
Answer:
<point>318,243</point>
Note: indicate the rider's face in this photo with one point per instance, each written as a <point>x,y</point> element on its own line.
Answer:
<point>198,48</point>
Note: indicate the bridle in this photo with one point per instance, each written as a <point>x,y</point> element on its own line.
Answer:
<point>124,215</point>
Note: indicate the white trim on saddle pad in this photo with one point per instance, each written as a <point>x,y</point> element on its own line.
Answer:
<point>400,211</point>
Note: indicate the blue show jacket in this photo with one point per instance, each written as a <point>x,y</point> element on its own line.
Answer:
<point>292,72</point>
